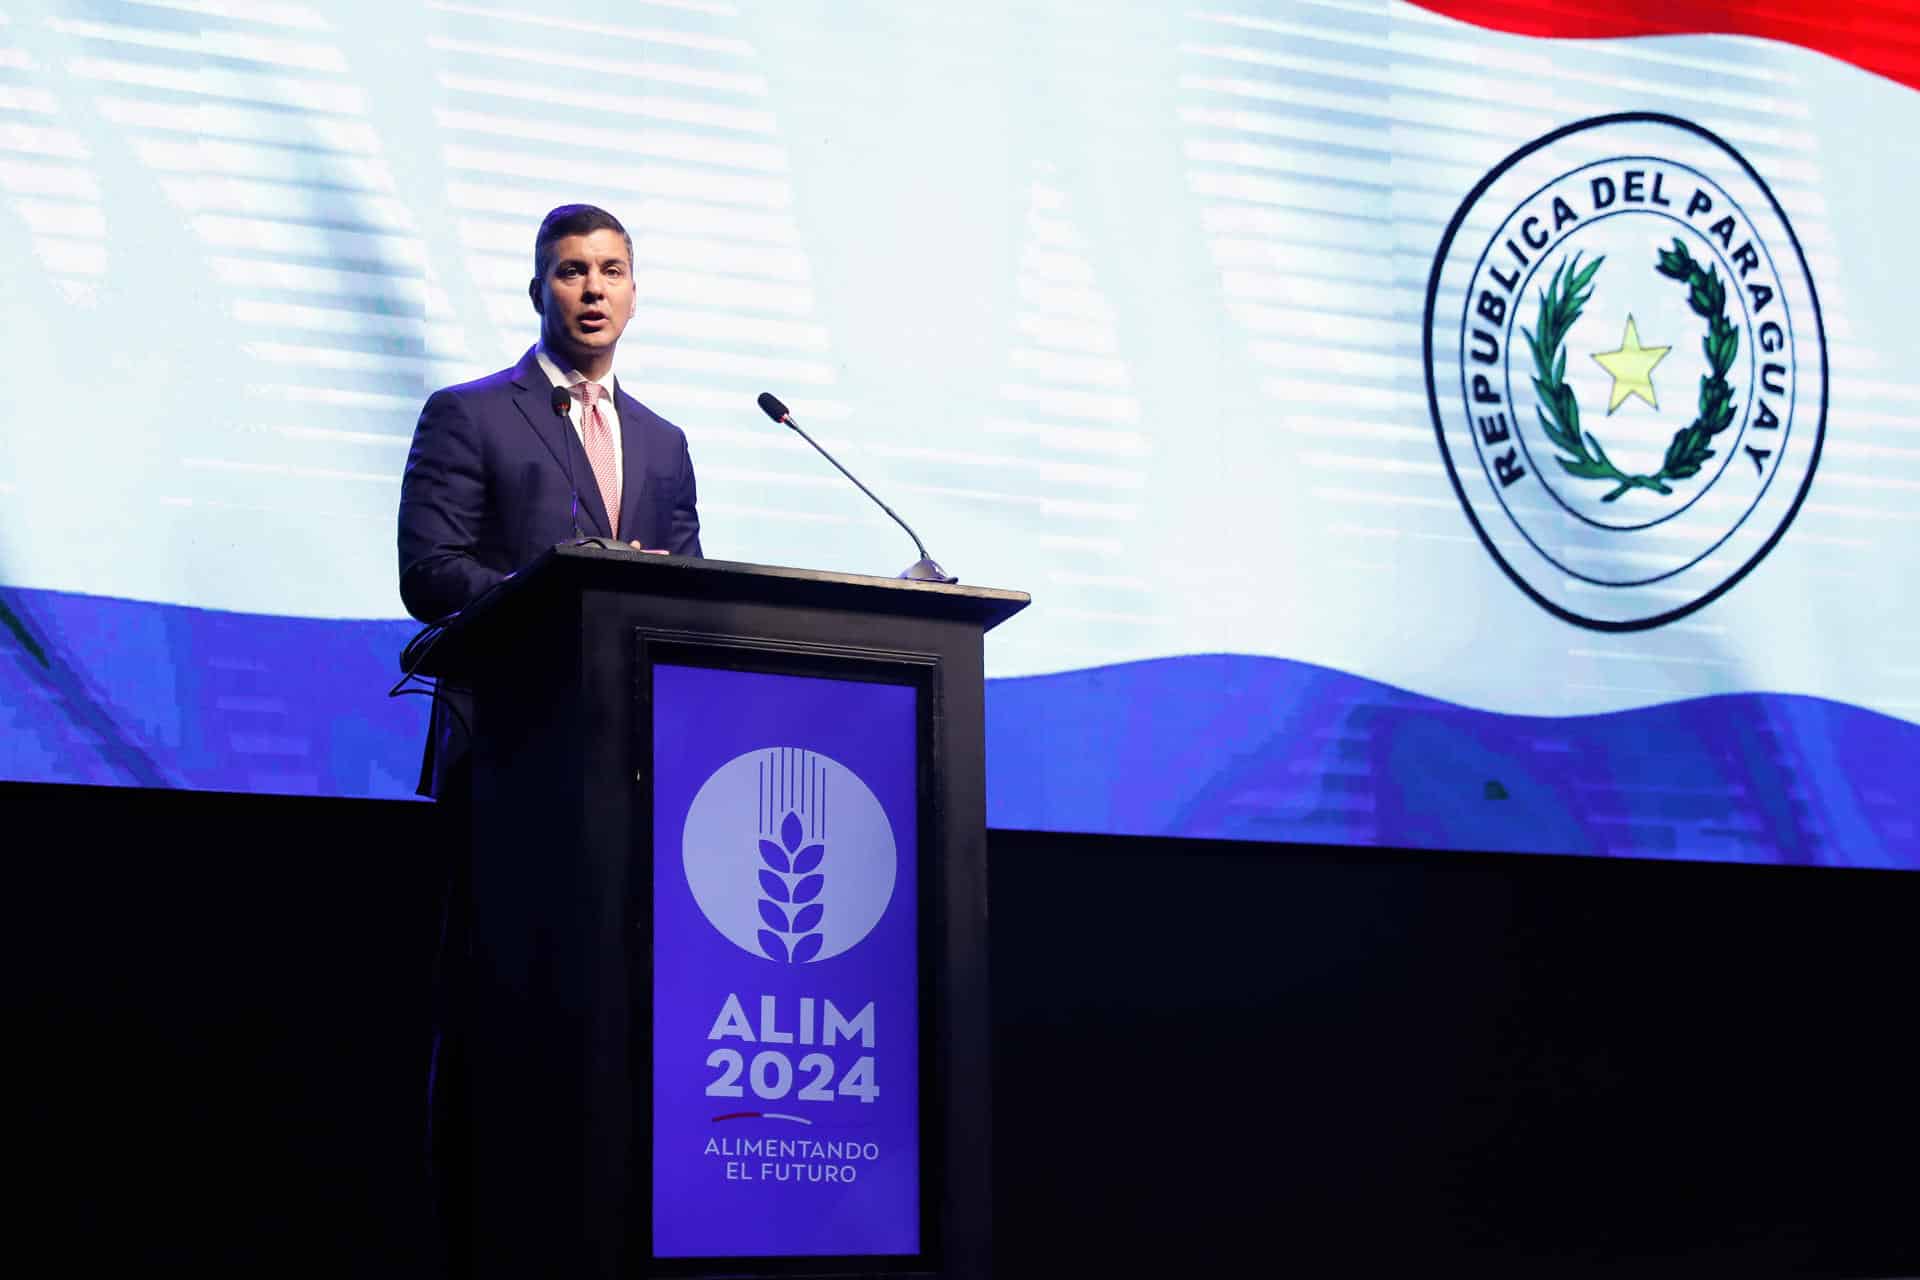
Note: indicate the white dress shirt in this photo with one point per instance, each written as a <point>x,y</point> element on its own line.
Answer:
<point>576,411</point>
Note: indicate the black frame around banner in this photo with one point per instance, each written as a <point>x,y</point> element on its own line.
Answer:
<point>919,671</point>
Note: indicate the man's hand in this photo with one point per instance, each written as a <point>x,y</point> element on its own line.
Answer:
<point>652,551</point>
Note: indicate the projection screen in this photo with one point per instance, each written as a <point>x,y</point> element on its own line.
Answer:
<point>1459,426</point>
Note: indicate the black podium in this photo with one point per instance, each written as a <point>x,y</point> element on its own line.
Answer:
<point>729,884</point>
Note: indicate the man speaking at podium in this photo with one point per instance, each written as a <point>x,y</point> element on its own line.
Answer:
<point>551,450</point>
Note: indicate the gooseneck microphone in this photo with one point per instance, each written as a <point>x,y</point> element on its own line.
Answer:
<point>559,399</point>
<point>922,570</point>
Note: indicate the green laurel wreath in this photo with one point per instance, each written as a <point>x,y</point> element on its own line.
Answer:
<point>1707,295</point>
<point>1561,304</point>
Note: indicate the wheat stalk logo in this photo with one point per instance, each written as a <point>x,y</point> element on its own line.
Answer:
<point>755,849</point>
<point>790,886</point>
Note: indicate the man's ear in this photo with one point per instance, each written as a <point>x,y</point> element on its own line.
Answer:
<point>533,293</point>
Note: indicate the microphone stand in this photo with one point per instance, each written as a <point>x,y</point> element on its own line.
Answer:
<point>925,569</point>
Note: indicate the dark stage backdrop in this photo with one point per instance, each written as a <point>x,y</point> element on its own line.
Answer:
<point>1209,1056</point>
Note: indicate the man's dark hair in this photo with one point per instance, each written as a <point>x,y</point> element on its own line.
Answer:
<point>573,220</point>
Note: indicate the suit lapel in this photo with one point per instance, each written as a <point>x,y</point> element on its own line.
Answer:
<point>532,395</point>
<point>633,464</point>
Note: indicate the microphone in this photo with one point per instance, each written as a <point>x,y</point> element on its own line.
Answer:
<point>557,400</point>
<point>922,570</point>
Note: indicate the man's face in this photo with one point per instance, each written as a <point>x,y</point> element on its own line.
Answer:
<point>586,297</point>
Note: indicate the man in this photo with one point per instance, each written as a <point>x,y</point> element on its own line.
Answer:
<point>500,470</point>
<point>496,475</point>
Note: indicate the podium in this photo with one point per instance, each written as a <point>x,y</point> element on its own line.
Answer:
<point>729,1012</point>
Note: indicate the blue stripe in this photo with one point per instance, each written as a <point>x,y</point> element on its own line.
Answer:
<point>1268,749</point>
<point>121,692</point>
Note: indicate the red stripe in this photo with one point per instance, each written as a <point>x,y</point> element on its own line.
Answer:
<point>1882,36</point>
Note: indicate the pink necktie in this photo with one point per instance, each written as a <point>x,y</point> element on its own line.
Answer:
<point>599,441</point>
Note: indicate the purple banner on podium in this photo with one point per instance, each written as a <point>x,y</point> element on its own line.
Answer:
<point>786,1048</point>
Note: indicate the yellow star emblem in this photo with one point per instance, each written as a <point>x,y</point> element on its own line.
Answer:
<point>1631,368</point>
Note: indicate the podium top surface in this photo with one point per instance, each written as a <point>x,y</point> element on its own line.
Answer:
<point>599,566</point>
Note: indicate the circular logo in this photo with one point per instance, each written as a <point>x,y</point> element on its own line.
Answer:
<point>789,855</point>
<point>1626,367</point>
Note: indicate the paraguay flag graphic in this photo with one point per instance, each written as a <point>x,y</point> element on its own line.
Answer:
<point>1457,426</point>
<point>1673,385</point>
<point>1877,37</point>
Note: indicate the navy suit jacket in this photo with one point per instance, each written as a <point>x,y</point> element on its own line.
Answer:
<point>487,489</point>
